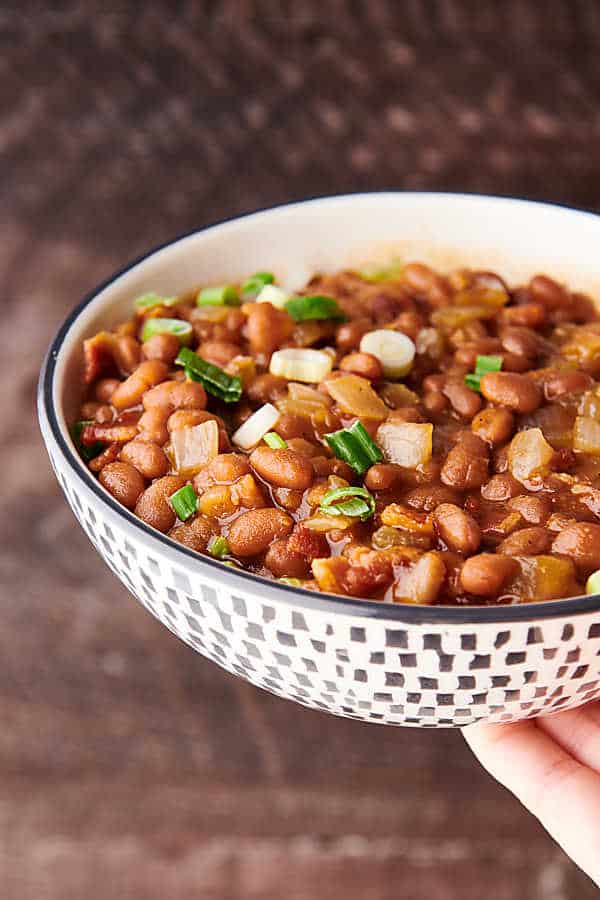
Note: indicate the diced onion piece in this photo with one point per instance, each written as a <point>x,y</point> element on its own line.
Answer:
<point>210,313</point>
<point>397,394</point>
<point>305,394</point>
<point>543,577</point>
<point>408,444</point>
<point>586,435</point>
<point>394,350</point>
<point>301,364</point>
<point>529,454</point>
<point>354,395</point>
<point>253,430</point>
<point>274,295</point>
<point>592,585</point>
<point>194,446</point>
<point>302,400</point>
<point>323,523</point>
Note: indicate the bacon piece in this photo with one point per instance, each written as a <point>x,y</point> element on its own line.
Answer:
<point>108,434</point>
<point>97,355</point>
<point>108,455</point>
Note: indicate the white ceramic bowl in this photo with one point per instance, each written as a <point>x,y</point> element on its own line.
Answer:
<point>393,664</point>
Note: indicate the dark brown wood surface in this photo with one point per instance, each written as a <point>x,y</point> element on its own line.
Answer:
<point>130,767</point>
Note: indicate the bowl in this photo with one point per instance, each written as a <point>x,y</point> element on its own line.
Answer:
<point>392,664</point>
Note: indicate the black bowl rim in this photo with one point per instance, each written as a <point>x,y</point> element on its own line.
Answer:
<point>402,613</point>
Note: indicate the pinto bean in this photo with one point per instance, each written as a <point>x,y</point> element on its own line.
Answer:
<point>548,292</point>
<point>581,543</point>
<point>466,353</point>
<point>164,347</point>
<point>526,542</point>
<point>285,562</point>
<point>501,488</point>
<point>185,534</point>
<point>563,383</point>
<point>383,477</point>
<point>434,383</point>
<point>219,353</point>
<point>267,327</point>
<point>534,508</point>
<point>254,531</point>
<point>425,283</point>
<point>511,390</point>
<point>514,362</point>
<point>486,574</point>
<point>494,425</point>
<point>130,392</point>
<point>426,497</point>
<point>267,388</point>
<point>522,341</point>
<point>223,469</point>
<point>127,353</point>
<point>466,465</point>
<point>172,395</point>
<point>123,481</point>
<point>105,388</point>
<point>348,335</point>
<point>283,468</point>
<point>152,426</point>
<point>409,322</point>
<point>148,458</point>
<point>435,403</point>
<point>364,364</point>
<point>153,505</point>
<point>528,315</point>
<point>459,530</point>
<point>465,402</point>
<point>291,425</point>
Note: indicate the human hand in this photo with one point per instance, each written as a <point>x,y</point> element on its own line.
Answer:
<point>552,764</point>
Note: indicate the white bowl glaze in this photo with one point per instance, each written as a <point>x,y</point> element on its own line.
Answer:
<point>393,664</point>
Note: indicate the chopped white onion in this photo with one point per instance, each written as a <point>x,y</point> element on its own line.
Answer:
<point>529,454</point>
<point>407,444</point>
<point>194,446</point>
<point>274,295</point>
<point>394,350</point>
<point>254,428</point>
<point>301,364</point>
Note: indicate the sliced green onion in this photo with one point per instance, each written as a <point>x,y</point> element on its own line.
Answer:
<point>254,285</point>
<point>147,301</point>
<point>86,453</point>
<point>218,547</point>
<point>381,273</point>
<point>273,440</point>
<point>221,295</point>
<point>315,306</point>
<point>184,502</point>
<point>179,327</point>
<point>483,365</point>
<point>355,446</point>
<point>473,381</point>
<point>293,582</point>
<point>214,380</point>
<point>592,585</point>
<point>360,503</point>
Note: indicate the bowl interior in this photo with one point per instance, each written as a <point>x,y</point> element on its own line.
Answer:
<point>515,237</point>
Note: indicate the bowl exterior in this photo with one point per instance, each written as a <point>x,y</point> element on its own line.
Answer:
<point>388,664</point>
<point>374,669</point>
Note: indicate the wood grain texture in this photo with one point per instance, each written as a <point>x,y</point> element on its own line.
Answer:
<point>132,768</point>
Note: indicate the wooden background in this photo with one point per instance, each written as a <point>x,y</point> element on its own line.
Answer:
<point>130,768</point>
